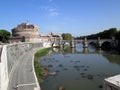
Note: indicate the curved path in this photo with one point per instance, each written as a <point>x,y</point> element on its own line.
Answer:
<point>23,75</point>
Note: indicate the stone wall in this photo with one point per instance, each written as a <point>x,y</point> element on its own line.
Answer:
<point>4,69</point>
<point>9,56</point>
<point>15,51</point>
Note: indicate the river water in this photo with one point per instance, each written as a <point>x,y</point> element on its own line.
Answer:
<point>79,68</point>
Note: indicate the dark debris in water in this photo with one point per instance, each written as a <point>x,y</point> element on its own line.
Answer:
<point>50,65</point>
<point>71,61</point>
<point>85,69</point>
<point>100,86</point>
<point>57,71</point>
<point>90,77</point>
<point>82,73</point>
<point>60,65</point>
<point>65,68</point>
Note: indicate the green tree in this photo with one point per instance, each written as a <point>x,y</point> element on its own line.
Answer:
<point>67,36</point>
<point>117,36</point>
<point>106,34</point>
<point>111,32</point>
<point>4,35</point>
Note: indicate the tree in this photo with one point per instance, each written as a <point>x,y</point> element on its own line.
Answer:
<point>4,35</point>
<point>67,36</point>
<point>111,32</point>
<point>106,34</point>
<point>117,36</point>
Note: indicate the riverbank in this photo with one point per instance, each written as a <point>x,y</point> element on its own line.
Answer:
<point>40,71</point>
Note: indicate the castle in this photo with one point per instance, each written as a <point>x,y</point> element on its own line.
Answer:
<point>26,32</point>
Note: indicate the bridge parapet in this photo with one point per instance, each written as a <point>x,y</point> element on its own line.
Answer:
<point>85,42</point>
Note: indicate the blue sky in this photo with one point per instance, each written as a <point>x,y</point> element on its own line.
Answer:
<point>78,17</point>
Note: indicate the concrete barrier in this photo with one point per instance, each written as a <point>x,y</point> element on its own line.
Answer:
<point>112,83</point>
<point>0,52</point>
<point>4,69</point>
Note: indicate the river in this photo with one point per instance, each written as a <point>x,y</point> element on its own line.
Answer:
<point>79,68</point>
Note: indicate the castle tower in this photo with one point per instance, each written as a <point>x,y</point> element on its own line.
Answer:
<point>26,32</point>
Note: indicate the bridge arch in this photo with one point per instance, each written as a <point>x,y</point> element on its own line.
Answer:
<point>106,45</point>
<point>93,43</point>
<point>54,44</point>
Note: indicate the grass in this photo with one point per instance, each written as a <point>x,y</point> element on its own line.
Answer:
<point>42,52</point>
<point>39,69</point>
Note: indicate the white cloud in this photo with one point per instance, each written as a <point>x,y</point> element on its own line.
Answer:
<point>53,13</point>
<point>44,7</point>
<point>52,9</point>
<point>50,0</point>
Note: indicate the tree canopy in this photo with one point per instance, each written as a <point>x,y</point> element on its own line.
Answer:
<point>117,35</point>
<point>4,35</point>
<point>106,34</point>
<point>67,36</point>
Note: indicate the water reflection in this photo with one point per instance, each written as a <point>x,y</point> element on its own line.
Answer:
<point>85,50</point>
<point>112,58</point>
<point>78,49</point>
<point>79,68</point>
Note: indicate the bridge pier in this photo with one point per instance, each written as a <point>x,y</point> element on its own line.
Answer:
<point>61,45</point>
<point>85,43</point>
<point>113,42</point>
<point>85,50</point>
<point>99,43</point>
<point>72,44</point>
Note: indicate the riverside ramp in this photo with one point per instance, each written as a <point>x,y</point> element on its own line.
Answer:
<point>23,77</point>
<point>17,66</point>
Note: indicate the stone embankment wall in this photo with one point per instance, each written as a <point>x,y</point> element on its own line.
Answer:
<point>15,51</point>
<point>10,54</point>
<point>0,65</point>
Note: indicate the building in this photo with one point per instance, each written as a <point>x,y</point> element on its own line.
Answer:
<point>25,32</point>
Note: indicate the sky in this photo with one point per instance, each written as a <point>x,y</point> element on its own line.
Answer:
<point>78,17</point>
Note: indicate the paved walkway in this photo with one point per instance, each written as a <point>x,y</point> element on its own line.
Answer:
<point>22,77</point>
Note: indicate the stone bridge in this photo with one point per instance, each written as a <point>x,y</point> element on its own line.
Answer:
<point>98,42</point>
